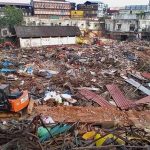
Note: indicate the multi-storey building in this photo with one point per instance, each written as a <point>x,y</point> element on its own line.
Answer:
<point>90,9</point>
<point>83,24</point>
<point>73,6</point>
<point>51,9</point>
<point>22,4</point>
<point>135,9</point>
<point>93,9</point>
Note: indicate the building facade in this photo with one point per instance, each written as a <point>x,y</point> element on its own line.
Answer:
<point>26,8</point>
<point>73,6</point>
<point>51,9</point>
<point>83,24</point>
<point>102,9</point>
<point>137,8</point>
<point>122,27</point>
<point>93,9</point>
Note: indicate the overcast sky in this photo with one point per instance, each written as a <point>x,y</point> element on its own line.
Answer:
<point>111,3</point>
<point>118,3</point>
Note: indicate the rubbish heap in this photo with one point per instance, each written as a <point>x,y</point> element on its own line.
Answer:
<point>81,96</point>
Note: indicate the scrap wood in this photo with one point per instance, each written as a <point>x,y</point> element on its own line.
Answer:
<point>144,100</point>
<point>140,119</point>
<point>109,147</point>
<point>88,88</point>
<point>30,107</point>
<point>18,136</point>
<point>119,98</point>
<point>89,95</point>
<point>95,115</point>
<point>83,114</point>
<point>137,75</point>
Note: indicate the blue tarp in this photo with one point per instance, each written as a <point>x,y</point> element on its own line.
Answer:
<point>7,63</point>
<point>5,70</point>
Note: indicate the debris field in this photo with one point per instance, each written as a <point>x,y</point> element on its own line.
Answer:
<point>81,97</point>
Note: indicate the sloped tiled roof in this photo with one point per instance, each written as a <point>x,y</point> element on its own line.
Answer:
<point>46,31</point>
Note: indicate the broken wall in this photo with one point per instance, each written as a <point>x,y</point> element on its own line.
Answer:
<point>37,42</point>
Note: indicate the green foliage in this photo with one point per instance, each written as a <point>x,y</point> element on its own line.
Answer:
<point>2,22</point>
<point>12,16</point>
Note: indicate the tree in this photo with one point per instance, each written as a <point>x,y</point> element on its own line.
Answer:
<point>2,22</point>
<point>12,16</point>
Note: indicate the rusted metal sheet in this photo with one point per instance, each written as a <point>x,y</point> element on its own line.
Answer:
<point>146,75</point>
<point>144,100</point>
<point>89,95</point>
<point>118,97</point>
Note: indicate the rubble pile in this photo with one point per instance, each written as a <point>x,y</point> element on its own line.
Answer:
<point>36,134</point>
<point>79,86</point>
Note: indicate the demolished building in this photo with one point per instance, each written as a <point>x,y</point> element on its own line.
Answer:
<point>126,26</point>
<point>122,26</point>
<point>77,91</point>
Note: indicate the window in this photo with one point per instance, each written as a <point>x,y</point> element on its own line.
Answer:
<point>119,26</point>
<point>34,23</point>
<point>132,27</point>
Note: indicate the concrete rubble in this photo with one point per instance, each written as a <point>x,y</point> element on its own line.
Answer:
<point>70,88</point>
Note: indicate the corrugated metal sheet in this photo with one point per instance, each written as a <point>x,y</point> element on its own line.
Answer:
<point>137,85</point>
<point>118,97</point>
<point>94,97</point>
<point>146,75</point>
<point>143,100</point>
<point>46,31</point>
